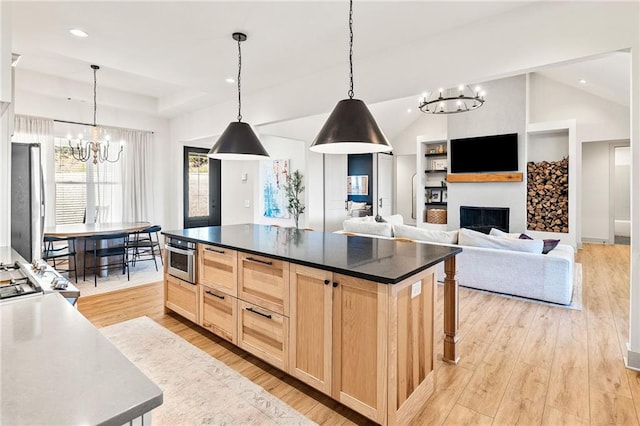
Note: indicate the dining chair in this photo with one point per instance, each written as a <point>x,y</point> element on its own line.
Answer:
<point>143,246</point>
<point>119,247</point>
<point>53,252</point>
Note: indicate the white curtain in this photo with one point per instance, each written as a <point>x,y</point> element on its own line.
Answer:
<point>29,129</point>
<point>136,176</point>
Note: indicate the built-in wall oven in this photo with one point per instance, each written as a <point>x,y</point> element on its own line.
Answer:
<point>181,259</point>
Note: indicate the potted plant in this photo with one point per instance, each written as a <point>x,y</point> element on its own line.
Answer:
<point>293,189</point>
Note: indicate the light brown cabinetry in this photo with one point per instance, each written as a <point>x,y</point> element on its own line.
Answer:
<point>311,326</point>
<point>217,268</point>
<point>181,297</point>
<point>264,281</point>
<point>218,313</point>
<point>264,333</point>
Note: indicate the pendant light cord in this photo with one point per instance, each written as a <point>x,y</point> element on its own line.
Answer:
<point>95,107</point>
<point>350,49</point>
<point>239,69</point>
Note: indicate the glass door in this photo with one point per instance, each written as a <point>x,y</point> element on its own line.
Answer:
<point>201,188</point>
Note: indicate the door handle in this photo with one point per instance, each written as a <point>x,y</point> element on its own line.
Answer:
<point>380,203</point>
<point>346,205</point>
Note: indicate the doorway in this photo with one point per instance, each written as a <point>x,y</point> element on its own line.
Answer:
<point>621,195</point>
<point>201,188</point>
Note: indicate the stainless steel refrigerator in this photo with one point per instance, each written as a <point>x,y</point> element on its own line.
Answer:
<point>27,200</point>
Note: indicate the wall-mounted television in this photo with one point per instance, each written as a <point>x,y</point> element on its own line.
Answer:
<point>496,153</point>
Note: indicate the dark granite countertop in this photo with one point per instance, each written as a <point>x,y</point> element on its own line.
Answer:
<point>375,259</point>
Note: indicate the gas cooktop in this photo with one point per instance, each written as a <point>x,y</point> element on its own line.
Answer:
<point>15,282</point>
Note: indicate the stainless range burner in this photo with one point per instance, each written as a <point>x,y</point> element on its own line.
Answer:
<point>14,282</point>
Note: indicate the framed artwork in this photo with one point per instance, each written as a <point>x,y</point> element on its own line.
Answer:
<point>444,196</point>
<point>436,196</point>
<point>358,185</point>
<point>439,164</point>
<point>274,177</point>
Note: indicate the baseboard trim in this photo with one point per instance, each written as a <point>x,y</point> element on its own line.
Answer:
<point>632,360</point>
<point>594,240</point>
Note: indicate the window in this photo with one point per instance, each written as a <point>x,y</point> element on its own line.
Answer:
<point>198,184</point>
<point>83,187</point>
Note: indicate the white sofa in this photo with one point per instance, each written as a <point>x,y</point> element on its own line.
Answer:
<point>547,277</point>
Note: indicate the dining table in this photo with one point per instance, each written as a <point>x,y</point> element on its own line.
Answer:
<point>81,230</point>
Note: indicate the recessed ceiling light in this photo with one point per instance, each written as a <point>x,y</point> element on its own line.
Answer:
<point>583,81</point>
<point>229,80</point>
<point>78,33</point>
<point>409,110</point>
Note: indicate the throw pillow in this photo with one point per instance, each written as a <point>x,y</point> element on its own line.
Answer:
<point>428,235</point>
<point>467,237</point>
<point>498,233</point>
<point>394,219</point>
<point>547,245</point>
<point>372,228</point>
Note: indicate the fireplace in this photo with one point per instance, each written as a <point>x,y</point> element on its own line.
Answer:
<point>482,219</point>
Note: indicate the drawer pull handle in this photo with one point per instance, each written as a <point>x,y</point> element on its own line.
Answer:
<point>326,282</point>
<point>335,284</point>
<point>214,250</point>
<point>258,312</point>
<point>266,262</point>
<point>213,294</point>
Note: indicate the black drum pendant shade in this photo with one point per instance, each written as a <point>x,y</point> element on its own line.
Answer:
<point>238,141</point>
<point>350,129</point>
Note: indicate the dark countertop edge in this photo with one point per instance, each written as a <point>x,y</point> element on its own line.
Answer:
<point>349,272</point>
<point>135,412</point>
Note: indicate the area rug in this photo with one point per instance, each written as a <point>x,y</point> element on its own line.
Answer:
<point>143,273</point>
<point>576,298</point>
<point>198,389</point>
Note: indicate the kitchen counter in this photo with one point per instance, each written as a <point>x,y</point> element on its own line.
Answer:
<point>57,368</point>
<point>374,259</point>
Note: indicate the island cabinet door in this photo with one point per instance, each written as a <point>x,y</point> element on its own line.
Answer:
<point>181,297</point>
<point>310,343</point>
<point>264,333</point>
<point>218,313</point>
<point>264,281</point>
<point>360,318</point>
<point>217,268</point>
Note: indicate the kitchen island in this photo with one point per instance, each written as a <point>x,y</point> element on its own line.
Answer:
<point>351,316</point>
<point>57,368</point>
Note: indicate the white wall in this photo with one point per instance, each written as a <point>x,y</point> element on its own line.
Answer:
<point>5,136</point>
<point>597,119</point>
<point>503,112</point>
<point>622,183</point>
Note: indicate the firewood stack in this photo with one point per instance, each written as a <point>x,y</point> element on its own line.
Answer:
<point>548,196</point>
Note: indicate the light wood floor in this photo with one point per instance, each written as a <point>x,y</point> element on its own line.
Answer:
<point>521,362</point>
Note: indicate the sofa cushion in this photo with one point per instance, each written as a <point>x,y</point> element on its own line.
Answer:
<point>547,245</point>
<point>365,227</point>
<point>395,219</point>
<point>429,235</point>
<point>467,237</point>
<point>361,219</point>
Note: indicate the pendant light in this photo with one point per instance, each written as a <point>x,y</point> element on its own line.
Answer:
<point>238,141</point>
<point>350,129</point>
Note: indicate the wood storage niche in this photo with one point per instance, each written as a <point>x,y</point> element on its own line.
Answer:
<point>548,196</point>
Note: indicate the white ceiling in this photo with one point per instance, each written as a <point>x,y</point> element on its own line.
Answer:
<point>180,53</point>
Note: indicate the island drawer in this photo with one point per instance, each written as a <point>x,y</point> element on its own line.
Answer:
<point>218,313</point>
<point>218,268</point>
<point>264,281</point>
<point>264,333</point>
<point>181,297</point>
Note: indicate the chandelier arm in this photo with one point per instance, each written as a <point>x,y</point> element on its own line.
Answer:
<point>350,93</point>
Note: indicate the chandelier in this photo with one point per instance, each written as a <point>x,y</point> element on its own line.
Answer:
<point>84,150</point>
<point>451,101</point>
